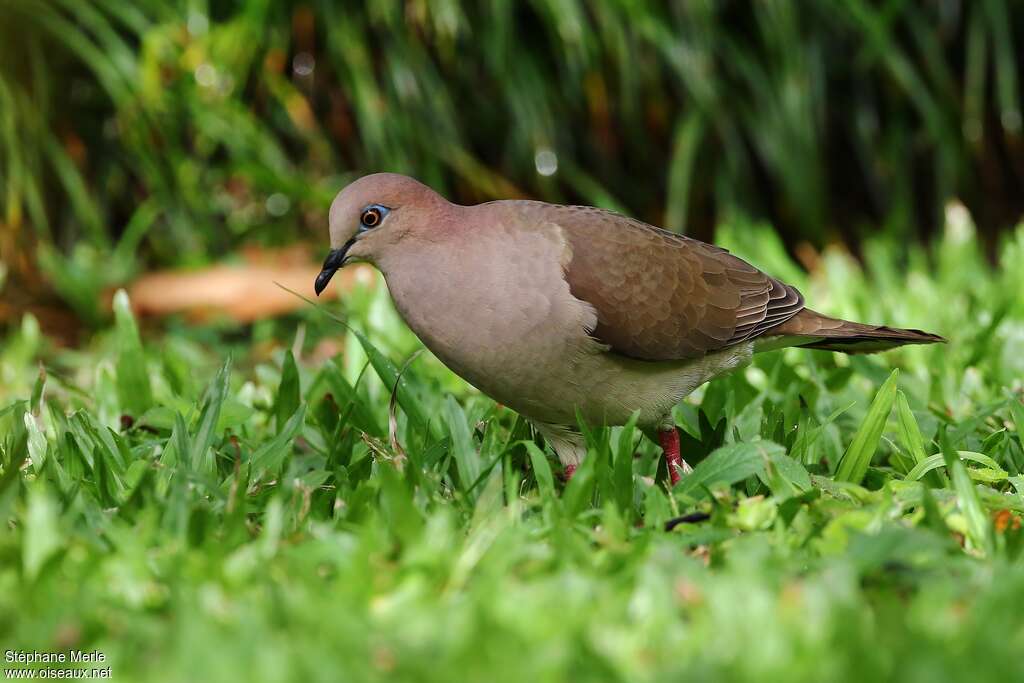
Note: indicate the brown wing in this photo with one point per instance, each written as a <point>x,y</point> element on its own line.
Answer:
<point>662,296</point>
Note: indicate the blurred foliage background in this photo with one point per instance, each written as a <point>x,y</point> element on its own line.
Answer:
<point>169,132</point>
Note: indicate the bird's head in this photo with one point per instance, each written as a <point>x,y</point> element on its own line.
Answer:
<point>372,215</point>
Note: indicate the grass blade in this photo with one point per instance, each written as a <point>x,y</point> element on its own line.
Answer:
<point>854,464</point>
<point>289,391</point>
<point>399,383</point>
<point>199,452</point>
<point>133,387</point>
<point>467,461</point>
<point>979,528</point>
<point>541,469</point>
<point>910,433</point>
<point>42,536</point>
<point>269,456</point>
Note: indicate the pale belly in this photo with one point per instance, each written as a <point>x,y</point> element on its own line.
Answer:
<point>604,388</point>
<point>514,331</point>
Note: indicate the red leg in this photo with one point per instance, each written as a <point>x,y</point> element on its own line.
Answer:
<point>569,471</point>
<point>669,439</point>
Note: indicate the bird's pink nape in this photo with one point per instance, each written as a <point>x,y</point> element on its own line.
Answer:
<point>669,439</point>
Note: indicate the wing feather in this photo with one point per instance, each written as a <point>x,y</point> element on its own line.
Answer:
<point>662,296</point>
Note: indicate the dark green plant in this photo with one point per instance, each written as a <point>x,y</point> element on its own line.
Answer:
<point>168,132</point>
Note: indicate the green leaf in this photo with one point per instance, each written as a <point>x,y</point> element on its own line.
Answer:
<point>467,462</point>
<point>910,436</point>
<point>687,140</point>
<point>578,493</point>
<point>623,466</point>
<point>347,399</point>
<point>728,465</point>
<point>808,435</point>
<point>788,476</point>
<point>36,442</point>
<point>288,391</point>
<point>37,391</point>
<point>199,456</point>
<point>233,414</point>
<point>16,406</point>
<point>1018,484</point>
<point>273,527</point>
<point>992,472</point>
<point>910,433</point>
<point>389,375</point>
<point>134,392</point>
<point>41,537</point>
<point>541,469</point>
<point>1017,411</point>
<point>979,528</point>
<point>854,463</point>
<point>932,516</point>
<point>269,456</point>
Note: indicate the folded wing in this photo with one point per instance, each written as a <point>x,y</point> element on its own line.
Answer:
<point>661,296</point>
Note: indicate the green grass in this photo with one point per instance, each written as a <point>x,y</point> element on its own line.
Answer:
<point>267,517</point>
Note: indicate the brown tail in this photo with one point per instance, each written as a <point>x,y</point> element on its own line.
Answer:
<point>833,334</point>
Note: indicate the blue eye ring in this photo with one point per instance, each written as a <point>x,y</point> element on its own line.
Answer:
<point>372,216</point>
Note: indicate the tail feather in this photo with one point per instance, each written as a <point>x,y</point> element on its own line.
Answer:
<point>813,330</point>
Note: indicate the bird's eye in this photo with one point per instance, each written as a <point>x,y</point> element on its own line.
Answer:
<point>372,216</point>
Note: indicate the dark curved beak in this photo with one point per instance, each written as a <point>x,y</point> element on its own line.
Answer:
<point>334,261</point>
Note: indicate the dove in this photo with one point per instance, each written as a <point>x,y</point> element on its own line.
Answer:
<point>565,313</point>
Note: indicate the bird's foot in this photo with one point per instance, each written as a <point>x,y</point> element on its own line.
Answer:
<point>669,439</point>
<point>569,471</point>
